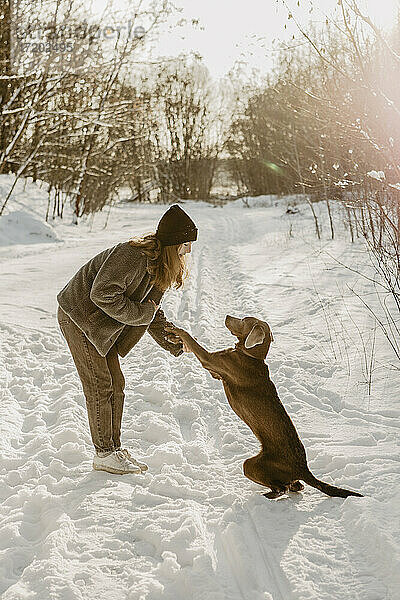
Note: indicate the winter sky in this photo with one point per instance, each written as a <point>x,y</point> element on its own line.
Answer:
<point>233,30</point>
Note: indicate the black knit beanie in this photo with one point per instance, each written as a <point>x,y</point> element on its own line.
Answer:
<point>176,227</point>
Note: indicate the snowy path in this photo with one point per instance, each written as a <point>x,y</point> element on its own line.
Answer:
<point>193,526</point>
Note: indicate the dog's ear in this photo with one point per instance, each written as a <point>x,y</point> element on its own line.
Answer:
<point>255,337</point>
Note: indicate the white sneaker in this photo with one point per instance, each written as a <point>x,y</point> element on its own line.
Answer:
<point>116,462</point>
<point>128,455</point>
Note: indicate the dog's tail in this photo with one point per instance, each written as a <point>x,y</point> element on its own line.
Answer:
<point>330,490</point>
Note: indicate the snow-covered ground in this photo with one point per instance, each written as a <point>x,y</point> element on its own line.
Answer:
<point>194,527</point>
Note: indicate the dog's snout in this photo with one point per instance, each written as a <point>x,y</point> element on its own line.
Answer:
<point>233,324</point>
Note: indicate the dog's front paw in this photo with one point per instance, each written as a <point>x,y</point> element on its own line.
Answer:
<point>173,329</point>
<point>174,339</point>
<point>172,334</point>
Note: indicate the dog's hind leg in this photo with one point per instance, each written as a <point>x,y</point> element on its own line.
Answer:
<point>258,469</point>
<point>253,468</point>
<point>296,486</point>
<point>274,493</point>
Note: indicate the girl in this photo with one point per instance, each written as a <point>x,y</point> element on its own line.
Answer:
<point>103,312</point>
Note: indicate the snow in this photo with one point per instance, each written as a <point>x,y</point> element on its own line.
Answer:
<point>379,175</point>
<point>193,527</point>
<point>19,227</point>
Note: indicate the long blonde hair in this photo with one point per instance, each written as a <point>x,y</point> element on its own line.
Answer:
<point>166,267</point>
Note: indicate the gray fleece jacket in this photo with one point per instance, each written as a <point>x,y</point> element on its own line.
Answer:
<point>108,299</point>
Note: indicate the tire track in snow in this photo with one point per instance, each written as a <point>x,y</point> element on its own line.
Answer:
<point>274,570</point>
<point>232,567</point>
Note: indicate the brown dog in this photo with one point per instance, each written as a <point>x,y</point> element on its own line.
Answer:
<point>282,461</point>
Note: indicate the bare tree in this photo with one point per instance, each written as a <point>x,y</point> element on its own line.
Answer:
<point>186,129</point>
<point>66,125</point>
